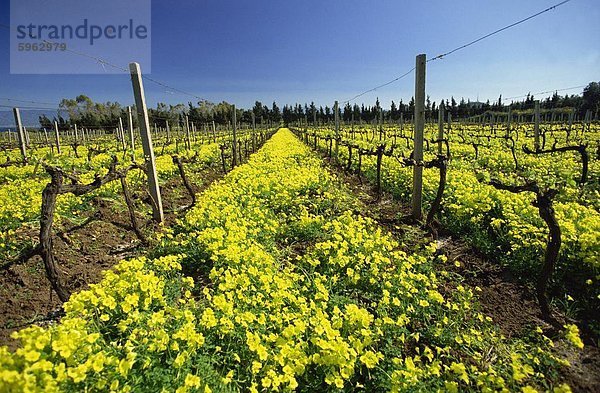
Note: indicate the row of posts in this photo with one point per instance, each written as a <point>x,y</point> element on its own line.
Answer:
<point>492,119</point>
<point>548,117</point>
<point>145,136</point>
<point>80,135</point>
<point>419,126</point>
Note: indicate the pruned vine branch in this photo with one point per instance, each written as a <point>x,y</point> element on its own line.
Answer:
<point>543,202</point>
<point>581,149</point>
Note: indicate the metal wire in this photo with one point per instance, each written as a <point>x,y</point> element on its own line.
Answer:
<point>380,86</point>
<point>443,55</point>
<point>497,31</point>
<point>546,92</point>
<point>27,101</point>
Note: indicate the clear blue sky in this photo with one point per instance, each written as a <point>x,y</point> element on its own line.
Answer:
<point>242,51</point>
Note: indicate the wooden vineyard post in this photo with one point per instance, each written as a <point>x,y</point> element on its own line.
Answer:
<point>20,133</point>
<point>417,192</point>
<point>536,126</point>
<point>168,131</point>
<point>337,128</point>
<point>571,112</point>
<point>440,127</point>
<point>381,124</point>
<point>131,137</point>
<point>144,124</point>
<point>57,136</point>
<point>253,132</point>
<point>508,119</point>
<point>588,121</point>
<point>27,137</point>
<point>402,123</point>
<point>122,133</point>
<point>117,137</point>
<point>188,141</point>
<point>234,141</point>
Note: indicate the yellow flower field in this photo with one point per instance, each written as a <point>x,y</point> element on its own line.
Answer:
<point>275,282</point>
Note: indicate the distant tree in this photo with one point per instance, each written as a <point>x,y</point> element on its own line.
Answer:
<point>555,100</point>
<point>76,107</point>
<point>347,116</point>
<point>162,114</point>
<point>245,115</point>
<point>62,123</point>
<point>401,107</point>
<point>591,98</point>
<point>275,113</point>
<point>45,122</point>
<point>357,114</point>
<point>453,107</point>
<point>222,113</point>
<point>463,109</point>
<point>258,110</point>
<point>287,115</point>
<point>311,112</point>
<point>393,111</point>
<point>298,112</point>
<point>411,105</point>
<point>529,102</point>
<point>486,107</point>
<point>87,113</point>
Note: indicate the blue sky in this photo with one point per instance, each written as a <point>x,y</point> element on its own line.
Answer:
<point>302,51</point>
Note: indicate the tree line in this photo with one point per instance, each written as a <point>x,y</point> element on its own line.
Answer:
<point>84,111</point>
<point>588,100</point>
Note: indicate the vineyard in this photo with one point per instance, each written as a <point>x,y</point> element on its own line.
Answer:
<point>102,215</point>
<point>189,238</point>
<point>279,277</point>
<point>487,177</point>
